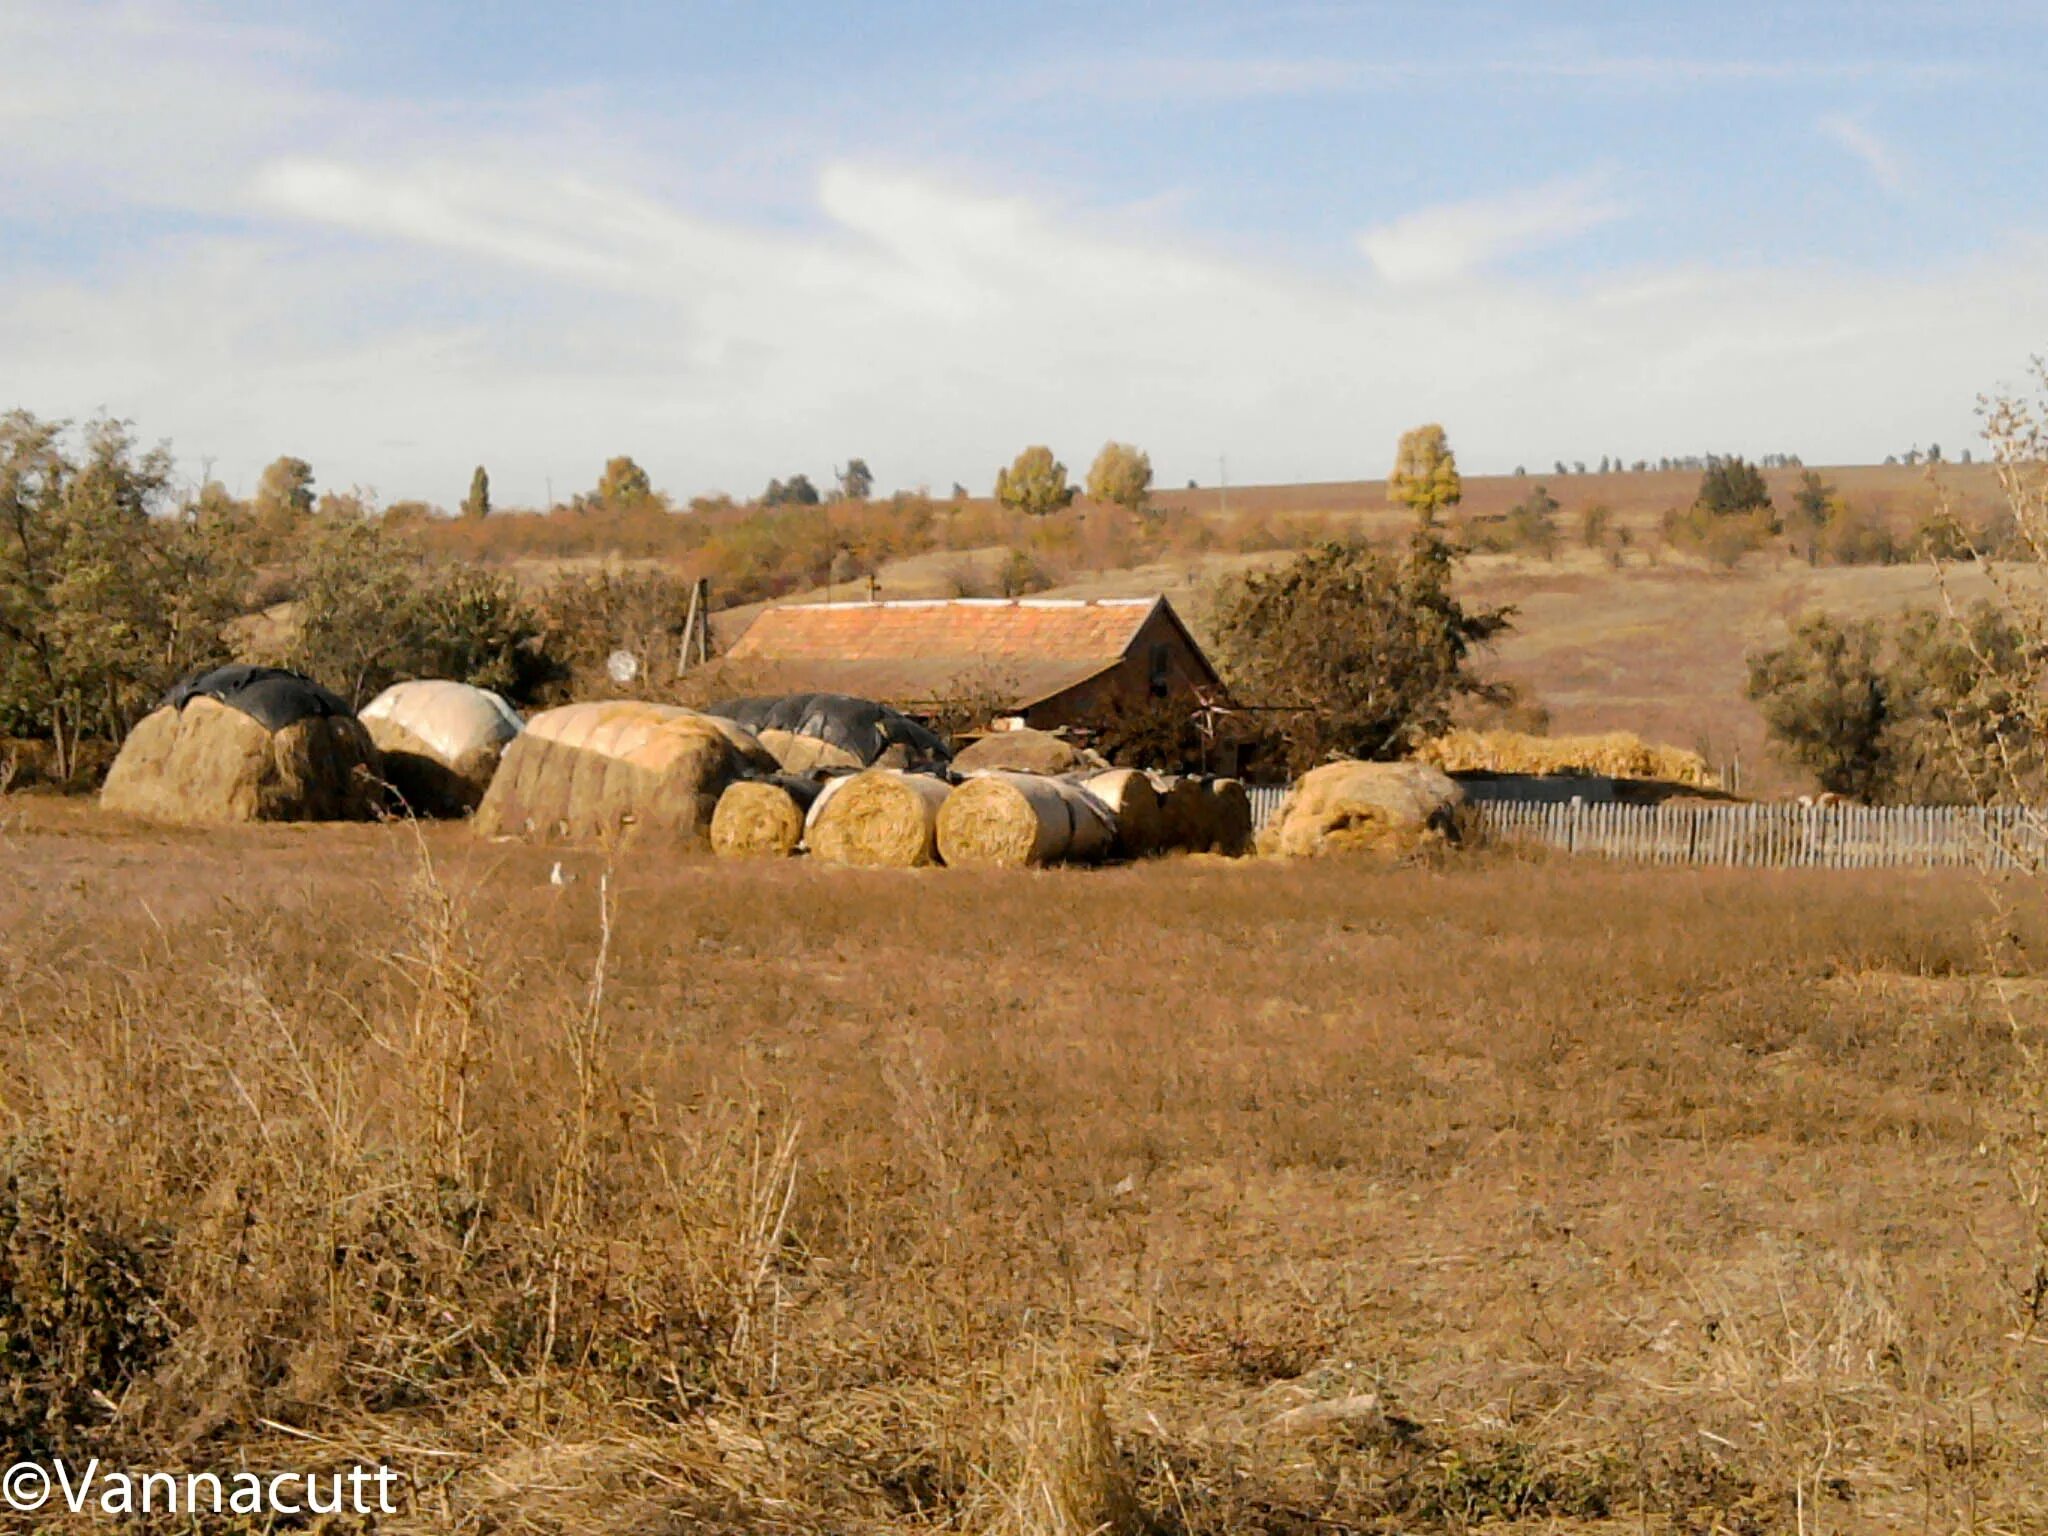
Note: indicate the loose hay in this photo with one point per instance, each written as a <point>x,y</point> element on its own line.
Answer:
<point>586,770</point>
<point>883,818</point>
<point>1140,825</point>
<point>1385,809</point>
<point>1026,752</point>
<point>209,762</point>
<point>1615,755</point>
<point>440,743</point>
<point>757,819</point>
<point>1022,820</point>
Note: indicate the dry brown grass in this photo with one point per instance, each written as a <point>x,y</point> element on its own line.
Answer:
<point>1292,1198</point>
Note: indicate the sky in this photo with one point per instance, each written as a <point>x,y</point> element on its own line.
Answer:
<point>739,239</point>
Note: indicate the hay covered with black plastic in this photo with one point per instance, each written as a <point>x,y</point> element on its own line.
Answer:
<point>1384,810</point>
<point>1026,751</point>
<point>618,766</point>
<point>1131,799</point>
<point>440,742</point>
<point>883,818</point>
<point>762,818</point>
<point>822,732</point>
<point>246,744</point>
<point>1023,821</point>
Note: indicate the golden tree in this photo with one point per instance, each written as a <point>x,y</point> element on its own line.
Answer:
<point>1425,476</point>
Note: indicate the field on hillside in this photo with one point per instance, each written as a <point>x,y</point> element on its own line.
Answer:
<point>1197,1197</point>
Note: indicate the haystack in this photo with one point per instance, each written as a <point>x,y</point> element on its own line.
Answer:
<point>883,818</point>
<point>761,818</point>
<point>1026,751</point>
<point>441,742</point>
<point>616,765</point>
<point>1613,755</point>
<point>1229,818</point>
<point>1140,824</point>
<point>810,732</point>
<point>1384,809</point>
<point>1184,814</point>
<point>1021,820</point>
<point>246,744</point>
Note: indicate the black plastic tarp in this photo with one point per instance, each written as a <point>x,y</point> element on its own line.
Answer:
<point>271,696</point>
<point>859,726</point>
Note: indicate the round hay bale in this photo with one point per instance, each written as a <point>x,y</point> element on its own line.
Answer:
<point>616,765</point>
<point>1230,818</point>
<point>440,743</point>
<point>209,762</point>
<point>1183,815</point>
<point>1023,820</point>
<point>1388,810</point>
<point>881,819</point>
<point>797,753</point>
<point>1025,752</point>
<point>1134,803</point>
<point>757,819</point>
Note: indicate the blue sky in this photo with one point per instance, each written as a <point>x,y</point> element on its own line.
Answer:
<point>740,240</point>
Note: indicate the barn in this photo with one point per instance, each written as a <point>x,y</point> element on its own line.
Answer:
<point>1047,662</point>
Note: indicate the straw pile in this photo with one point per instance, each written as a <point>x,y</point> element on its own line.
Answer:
<point>1229,818</point>
<point>1134,803</point>
<point>1026,751</point>
<point>1615,755</point>
<point>761,818</point>
<point>210,762</point>
<point>881,819</point>
<point>440,742</point>
<point>588,769</point>
<point>1384,809</point>
<point>1023,820</point>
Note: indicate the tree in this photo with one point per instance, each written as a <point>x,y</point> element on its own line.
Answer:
<point>284,490</point>
<point>1813,506</point>
<point>108,592</point>
<point>1121,474</point>
<point>1532,523</point>
<point>478,502</point>
<point>855,483</point>
<point>1365,652</point>
<point>623,484</point>
<point>1425,476</point>
<point>1035,482</point>
<point>1823,698</point>
<point>1732,487</point>
<point>796,491</point>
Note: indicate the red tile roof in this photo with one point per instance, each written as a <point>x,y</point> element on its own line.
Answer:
<point>921,651</point>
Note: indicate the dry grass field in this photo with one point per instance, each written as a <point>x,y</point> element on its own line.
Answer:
<point>1197,1197</point>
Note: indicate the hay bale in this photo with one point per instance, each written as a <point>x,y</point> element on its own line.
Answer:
<point>883,818</point>
<point>587,770</point>
<point>1184,814</point>
<point>1385,809</point>
<point>440,742</point>
<point>209,762</point>
<point>1023,820</point>
<point>813,731</point>
<point>1132,800</point>
<point>1026,751</point>
<point>1229,818</point>
<point>759,819</point>
<point>797,753</point>
<point>1612,755</point>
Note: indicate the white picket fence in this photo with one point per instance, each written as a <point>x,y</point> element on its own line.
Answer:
<point>1781,836</point>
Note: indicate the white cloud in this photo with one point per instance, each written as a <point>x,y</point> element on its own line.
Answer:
<point>1455,240</point>
<point>1872,151</point>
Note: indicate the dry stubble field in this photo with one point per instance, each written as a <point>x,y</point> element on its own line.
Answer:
<point>1187,1198</point>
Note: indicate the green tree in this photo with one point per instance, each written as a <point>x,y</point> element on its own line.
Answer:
<point>1813,506</point>
<point>108,591</point>
<point>1122,475</point>
<point>855,482</point>
<point>623,484</point>
<point>1425,477</point>
<point>1036,483</point>
<point>1732,487</point>
<point>1532,523</point>
<point>478,502</point>
<point>1826,703</point>
<point>1365,653</point>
